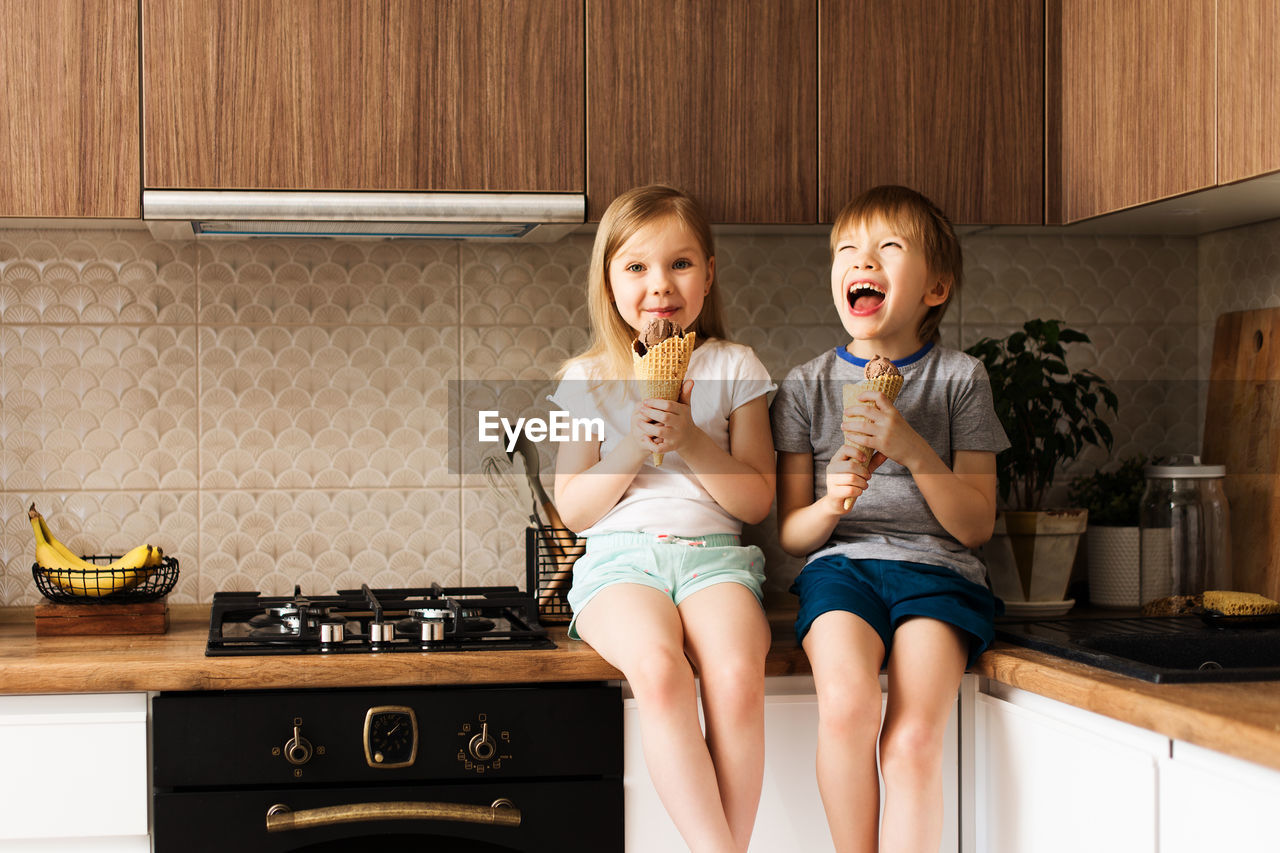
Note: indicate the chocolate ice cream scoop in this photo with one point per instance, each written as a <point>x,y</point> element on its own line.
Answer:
<point>655,332</point>
<point>880,366</point>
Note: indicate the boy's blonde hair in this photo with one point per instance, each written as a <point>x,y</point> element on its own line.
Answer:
<point>608,355</point>
<point>920,221</point>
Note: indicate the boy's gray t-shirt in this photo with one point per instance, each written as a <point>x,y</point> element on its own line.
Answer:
<point>945,397</point>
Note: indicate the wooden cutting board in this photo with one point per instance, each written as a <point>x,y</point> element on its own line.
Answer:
<point>67,620</point>
<point>1242,431</point>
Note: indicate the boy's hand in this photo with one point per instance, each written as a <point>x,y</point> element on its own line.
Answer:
<point>847,475</point>
<point>664,426</point>
<point>883,428</point>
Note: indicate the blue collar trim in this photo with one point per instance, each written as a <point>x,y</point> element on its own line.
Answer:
<point>899,363</point>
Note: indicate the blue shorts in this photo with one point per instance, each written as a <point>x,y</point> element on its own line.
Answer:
<point>673,565</point>
<point>885,592</point>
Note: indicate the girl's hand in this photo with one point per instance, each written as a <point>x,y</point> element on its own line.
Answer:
<point>883,428</point>
<point>847,475</point>
<point>665,426</point>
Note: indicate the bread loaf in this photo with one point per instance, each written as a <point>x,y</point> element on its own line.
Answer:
<point>1171,605</point>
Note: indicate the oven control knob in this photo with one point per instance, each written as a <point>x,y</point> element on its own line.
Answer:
<point>482,747</point>
<point>297,750</point>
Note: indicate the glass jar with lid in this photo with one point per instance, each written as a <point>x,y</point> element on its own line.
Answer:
<point>1185,545</point>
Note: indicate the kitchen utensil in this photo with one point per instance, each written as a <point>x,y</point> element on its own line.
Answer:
<point>503,482</point>
<point>1242,420</point>
<point>568,552</point>
<point>1184,534</point>
<point>559,541</point>
<point>528,500</point>
<point>532,465</point>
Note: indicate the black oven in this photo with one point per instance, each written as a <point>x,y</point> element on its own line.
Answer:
<point>534,768</point>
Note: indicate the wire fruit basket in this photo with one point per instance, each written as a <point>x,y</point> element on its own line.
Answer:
<point>118,586</point>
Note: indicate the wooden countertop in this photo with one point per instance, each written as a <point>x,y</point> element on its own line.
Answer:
<point>176,661</point>
<point>1240,719</point>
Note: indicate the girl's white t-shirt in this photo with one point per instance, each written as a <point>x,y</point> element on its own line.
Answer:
<point>669,499</point>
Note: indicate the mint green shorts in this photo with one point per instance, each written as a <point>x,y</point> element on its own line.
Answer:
<point>673,565</point>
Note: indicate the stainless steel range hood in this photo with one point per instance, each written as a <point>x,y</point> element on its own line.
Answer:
<point>196,214</point>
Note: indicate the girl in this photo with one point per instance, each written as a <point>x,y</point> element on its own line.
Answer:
<point>665,586</point>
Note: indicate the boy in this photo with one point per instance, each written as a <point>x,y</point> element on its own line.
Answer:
<point>892,580</point>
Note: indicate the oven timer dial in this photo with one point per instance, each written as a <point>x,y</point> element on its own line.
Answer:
<point>390,736</point>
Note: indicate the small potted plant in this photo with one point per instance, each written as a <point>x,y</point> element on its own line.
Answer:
<point>1113,499</point>
<point>1050,416</point>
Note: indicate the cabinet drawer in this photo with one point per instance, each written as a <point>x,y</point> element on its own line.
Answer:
<point>77,766</point>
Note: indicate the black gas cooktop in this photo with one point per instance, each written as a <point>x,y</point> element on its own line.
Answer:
<point>368,620</point>
<point>1161,649</point>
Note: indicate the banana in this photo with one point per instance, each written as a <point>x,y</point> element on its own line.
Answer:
<point>80,577</point>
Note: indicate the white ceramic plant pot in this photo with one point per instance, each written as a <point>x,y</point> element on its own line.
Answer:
<point>1029,557</point>
<point>1114,565</point>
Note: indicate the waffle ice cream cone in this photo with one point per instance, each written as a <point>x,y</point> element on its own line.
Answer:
<point>882,376</point>
<point>662,367</point>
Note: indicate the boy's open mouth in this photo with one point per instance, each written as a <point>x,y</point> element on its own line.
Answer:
<point>864,297</point>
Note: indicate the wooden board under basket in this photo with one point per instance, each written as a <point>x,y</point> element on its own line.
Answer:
<point>65,620</point>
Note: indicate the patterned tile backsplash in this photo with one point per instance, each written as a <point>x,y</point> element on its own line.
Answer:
<point>281,412</point>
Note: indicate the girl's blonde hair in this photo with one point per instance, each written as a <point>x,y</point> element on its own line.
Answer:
<point>920,221</point>
<point>608,355</point>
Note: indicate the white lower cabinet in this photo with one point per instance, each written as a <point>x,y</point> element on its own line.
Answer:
<point>1210,801</point>
<point>791,817</point>
<point>1051,778</point>
<point>74,773</point>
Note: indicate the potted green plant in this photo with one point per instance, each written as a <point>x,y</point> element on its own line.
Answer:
<point>1113,499</point>
<point>1051,415</point>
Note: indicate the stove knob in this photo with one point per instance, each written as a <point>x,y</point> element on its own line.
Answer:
<point>482,747</point>
<point>297,750</point>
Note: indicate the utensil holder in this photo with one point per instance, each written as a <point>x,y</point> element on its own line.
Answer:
<point>549,556</point>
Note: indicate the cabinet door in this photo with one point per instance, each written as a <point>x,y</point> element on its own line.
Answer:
<point>716,97</point>
<point>1210,801</point>
<point>1248,88</point>
<point>75,771</point>
<point>944,96</point>
<point>1137,112</point>
<point>1055,779</point>
<point>791,815</point>
<point>466,95</point>
<point>69,125</point>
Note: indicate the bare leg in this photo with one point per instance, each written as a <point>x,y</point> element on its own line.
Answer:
<point>925,668</point>
<point>727,637</point>
<point>845,653</point>
<point>638,630</point>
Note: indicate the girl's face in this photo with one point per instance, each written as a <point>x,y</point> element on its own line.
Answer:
<point>882,288</point>
<point>661,271</point>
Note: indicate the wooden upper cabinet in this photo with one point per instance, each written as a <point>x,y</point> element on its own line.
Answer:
<point>1248,88</point>
<point>69,121</point>
<point>1137,111</point>
<point>716,97</point>
<point>943,96</point>
<point>463,95</point>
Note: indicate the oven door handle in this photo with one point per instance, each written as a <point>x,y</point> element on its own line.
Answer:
<point>502,812</point>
